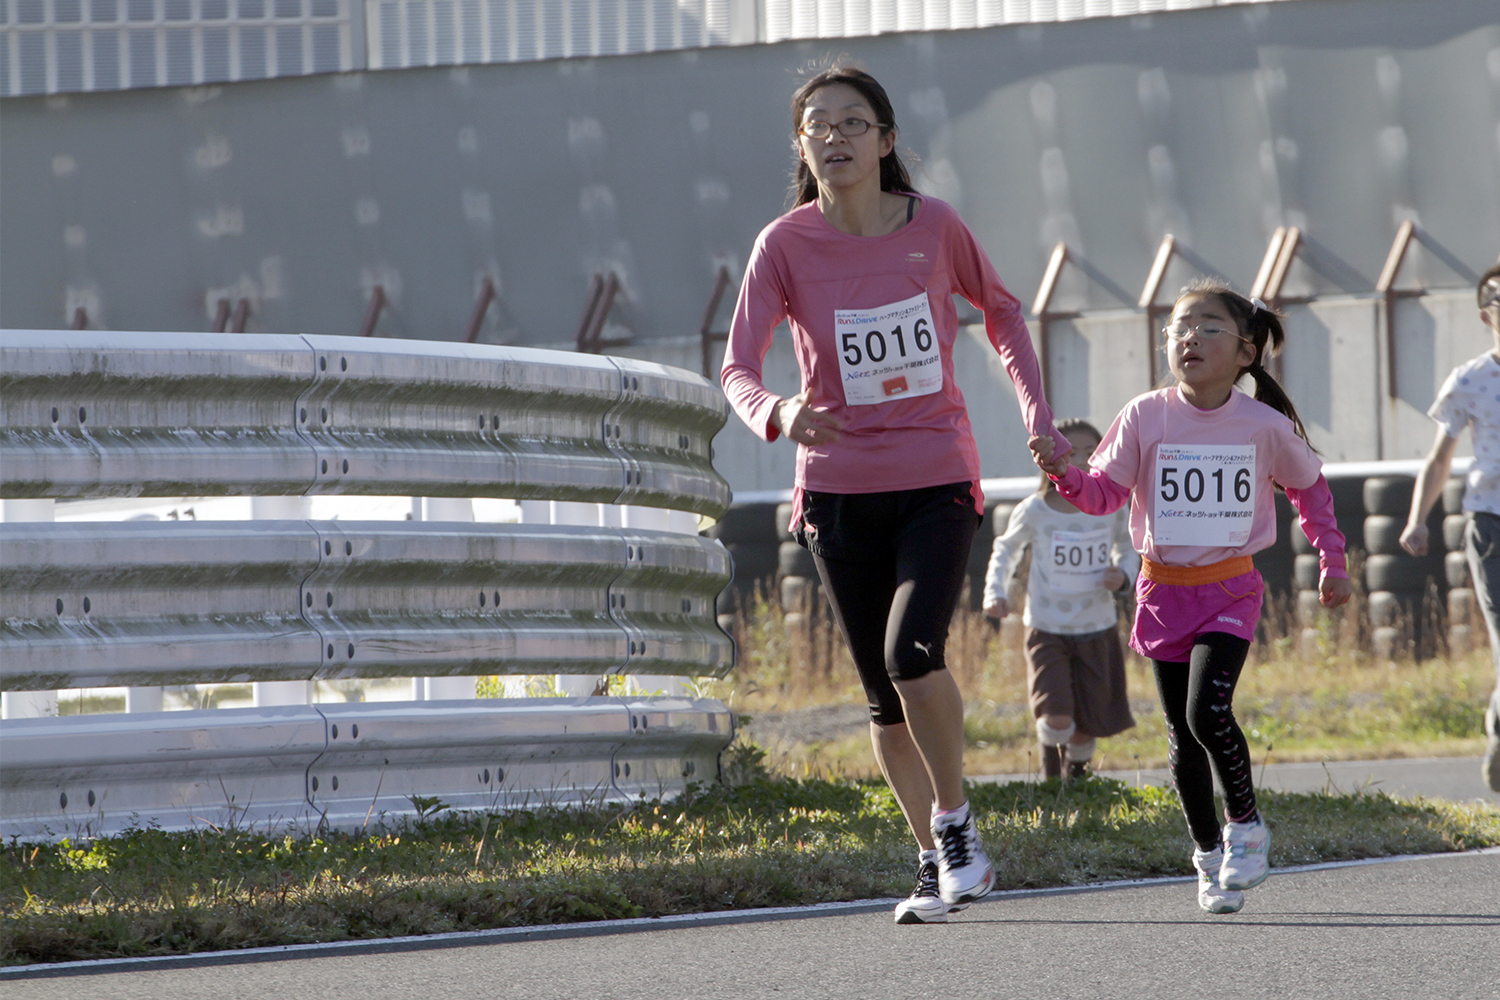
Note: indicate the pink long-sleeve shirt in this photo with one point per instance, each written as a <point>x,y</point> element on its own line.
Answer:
<point>1124,469</point>
<point>849,298</point>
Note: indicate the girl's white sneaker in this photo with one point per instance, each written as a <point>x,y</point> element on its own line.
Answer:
<point>1211,896</point>
<point>1247,855</point>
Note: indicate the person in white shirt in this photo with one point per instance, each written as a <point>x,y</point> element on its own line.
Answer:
<point>1470,397</point>
<point>1075,665</point>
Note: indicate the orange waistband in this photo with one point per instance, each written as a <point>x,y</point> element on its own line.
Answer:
<point>1196,576</point>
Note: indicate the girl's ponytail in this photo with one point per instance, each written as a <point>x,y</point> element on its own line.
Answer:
<point>1261,325</point>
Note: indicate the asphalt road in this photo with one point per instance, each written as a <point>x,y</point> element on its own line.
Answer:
<point>1424,928</point>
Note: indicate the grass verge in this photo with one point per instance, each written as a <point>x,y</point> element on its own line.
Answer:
<point>768,842</point>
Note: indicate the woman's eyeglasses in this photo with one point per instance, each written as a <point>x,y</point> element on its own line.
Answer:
<point>848,128</point>
<point>1208,330</point>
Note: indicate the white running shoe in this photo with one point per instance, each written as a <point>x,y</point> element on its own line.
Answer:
<point>1210,896</point>
<point>1247,855</point>
<point>925,905</point>
<point>964,870</point>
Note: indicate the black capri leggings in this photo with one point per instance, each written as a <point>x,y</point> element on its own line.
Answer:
<point>1203,738</point>
<point>892,565</point>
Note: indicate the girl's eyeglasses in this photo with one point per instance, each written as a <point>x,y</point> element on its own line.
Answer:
<point>848,128</point>
<point>1210,330</point>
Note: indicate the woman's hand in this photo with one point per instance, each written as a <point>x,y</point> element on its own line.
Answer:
<point>1114,578</point>
<point>1041,451</point>
<point>795,417</point>
<point>1334,591</point>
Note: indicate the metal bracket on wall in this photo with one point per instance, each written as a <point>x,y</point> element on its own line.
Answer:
<point>486,296</point>
<point>1154,310</point>
<point>1284,245</point>
<point>1045,315</point>
<point>1390,294</point>
<point>711,336</point>
<point>602,292</point>
<point>372,314</point>
<point>231,319</point>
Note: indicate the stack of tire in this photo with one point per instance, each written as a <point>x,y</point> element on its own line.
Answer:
<point>1349,512</point>
<point>1462,608</point>
<point>748,531</point>
<point>796,573</point>
<point>1398,582</point>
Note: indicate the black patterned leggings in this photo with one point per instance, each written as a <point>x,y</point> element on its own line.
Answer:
<point>1204,740</point>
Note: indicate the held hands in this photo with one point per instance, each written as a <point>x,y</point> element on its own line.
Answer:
<point>795,417</point>
<point>1414,539</point>
<point>998,608</point>
<point>1042,448</point>
<point>1334,591</point>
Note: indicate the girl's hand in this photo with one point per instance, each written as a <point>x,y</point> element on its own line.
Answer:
<point>795,417</point>
<point>1041,451</point>
<point>998,608</point>
<point>1334,591</point>
<point>1114,578</point>
<point>1414,539</point>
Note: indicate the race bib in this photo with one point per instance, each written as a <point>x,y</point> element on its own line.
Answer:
<point>1077,560</point>
<point>1205,495</point>
<point>889,352</point>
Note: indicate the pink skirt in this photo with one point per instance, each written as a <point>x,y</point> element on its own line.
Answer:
<point>1169,618</point>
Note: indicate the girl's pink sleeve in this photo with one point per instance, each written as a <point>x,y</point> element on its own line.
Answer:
<point>1003,322</point>
<point>1094,493</point>
<point>761,306</point>
<point>1315,512</point>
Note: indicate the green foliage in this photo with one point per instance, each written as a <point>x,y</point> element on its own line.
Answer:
<point>763,842</point>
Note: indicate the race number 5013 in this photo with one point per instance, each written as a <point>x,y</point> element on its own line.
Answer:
<point>1205,494</point>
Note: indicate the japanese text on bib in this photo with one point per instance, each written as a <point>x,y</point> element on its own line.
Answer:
<point>1077,560</point>
<point>1204,495</point>
<point>889,352</point>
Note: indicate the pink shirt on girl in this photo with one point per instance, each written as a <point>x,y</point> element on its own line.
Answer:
<point>1127,458</point>
<point>873,325</point>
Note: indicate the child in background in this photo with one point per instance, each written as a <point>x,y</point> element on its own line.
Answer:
<point>1470,397</point>
<point>1198,463</point>
<point>1075,666</point>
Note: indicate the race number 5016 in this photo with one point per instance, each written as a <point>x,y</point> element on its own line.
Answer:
<point>872,344</point>
<point>1205,495</point>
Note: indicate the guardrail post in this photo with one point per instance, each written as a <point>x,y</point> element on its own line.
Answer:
<point>28,704</point>
<point>266,693</point>
<point>657,519</point>
<point>443,688</point>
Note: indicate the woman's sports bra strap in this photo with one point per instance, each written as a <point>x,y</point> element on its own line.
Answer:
<point>1196,576</point>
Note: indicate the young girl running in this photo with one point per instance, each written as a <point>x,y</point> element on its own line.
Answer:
<point>1198,463</point>
<point>887,485</point>
<point>1075,667</point>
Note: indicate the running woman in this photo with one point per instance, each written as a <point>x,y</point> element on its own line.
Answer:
<point>1198,463</point>
<point>887,485</point>
<point>1075,668</point>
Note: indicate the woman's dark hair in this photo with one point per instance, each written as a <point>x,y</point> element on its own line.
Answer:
<point>893,175</point>
<point>1065,427</point>
<point>1262,325</point>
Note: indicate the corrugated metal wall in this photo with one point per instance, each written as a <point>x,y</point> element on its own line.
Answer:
<point>147,209</point>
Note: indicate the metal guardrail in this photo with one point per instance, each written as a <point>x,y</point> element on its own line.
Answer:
<point>102,603</point>
<point>98,603</point>
<point>346,765</point>
<point>91,414</point>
